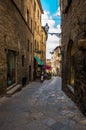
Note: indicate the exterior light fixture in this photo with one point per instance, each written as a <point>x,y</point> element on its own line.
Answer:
<point>47,29</point>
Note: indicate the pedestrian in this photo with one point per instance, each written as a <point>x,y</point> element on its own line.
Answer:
<point>42,78</point>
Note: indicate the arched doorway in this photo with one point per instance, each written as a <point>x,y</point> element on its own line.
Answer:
<point>70,63</point>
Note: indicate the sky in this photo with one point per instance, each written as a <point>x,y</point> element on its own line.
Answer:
<point>52,17</point>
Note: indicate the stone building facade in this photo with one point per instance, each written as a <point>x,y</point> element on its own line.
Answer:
<point>40,37</point>
<point>37,27</point>
<point>43,45</point>
<point>56,61</point>
<point>17,25</point>
<point>16,37</point>
<point>74,50</point>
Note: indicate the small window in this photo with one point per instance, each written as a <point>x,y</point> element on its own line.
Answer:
<point>38,29</point>
<point>38,13</point>
<point>40,18</point>
<point>28,16</point>
<point>34,6</point>
<point>66,5</point>
<point>28,45</point>
<point>31,24</point>
<point>22,5</point>
<point>22,60</point>
<point>31,48</point>
<point>35,25</point>
<point>35,45</point>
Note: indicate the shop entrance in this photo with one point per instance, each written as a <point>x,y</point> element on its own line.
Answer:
<point>11,68</point>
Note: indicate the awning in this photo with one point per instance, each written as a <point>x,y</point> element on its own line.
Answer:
<point>47,67</point>
<point>38,60</point>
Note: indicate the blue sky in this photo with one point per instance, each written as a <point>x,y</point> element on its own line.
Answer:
<point>52,17</point>
<point>51,6</point>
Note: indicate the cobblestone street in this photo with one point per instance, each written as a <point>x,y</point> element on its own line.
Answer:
<point>40,106</point>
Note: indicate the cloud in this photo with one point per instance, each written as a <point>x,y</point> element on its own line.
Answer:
<point>56,29</point>
<point>52,40</point>
<point>58,12</point>
<point>47,19</point>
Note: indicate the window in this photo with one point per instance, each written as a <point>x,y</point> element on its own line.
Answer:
<point>28,45</point>
<point>31,48</point>
<point>66,5</point>
<point>31,24</point>
<point>35,25</point>
<point>38,29</point>
<point>22,60</point>
<point>42,37</point>
<point>38,46</point>
<point>38,14</point>
<point>22,5</point>
<point>35,45</point>
<point>40,18</point>
<point>34,6</point>
<point>28,16</point>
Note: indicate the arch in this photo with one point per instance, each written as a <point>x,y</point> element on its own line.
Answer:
<point>70,63</point>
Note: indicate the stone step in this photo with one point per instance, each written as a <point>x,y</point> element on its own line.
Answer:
<point>14,89</point>
<point>11,86</point>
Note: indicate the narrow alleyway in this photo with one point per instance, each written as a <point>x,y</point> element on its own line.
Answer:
<point>40,106</point>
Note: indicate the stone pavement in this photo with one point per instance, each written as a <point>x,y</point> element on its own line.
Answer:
<point>40,106</point>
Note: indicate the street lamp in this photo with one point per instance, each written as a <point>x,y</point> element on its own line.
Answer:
<point>47,29</point>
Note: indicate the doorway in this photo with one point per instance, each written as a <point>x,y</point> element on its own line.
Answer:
<point>11,68</point>
<point>30,73</point>
<point>70,63</point>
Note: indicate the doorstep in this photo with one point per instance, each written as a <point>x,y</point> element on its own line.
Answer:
<point>14,89</point>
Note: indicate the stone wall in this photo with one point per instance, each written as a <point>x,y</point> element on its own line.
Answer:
<point>14,34</point>
<point>74,29</point>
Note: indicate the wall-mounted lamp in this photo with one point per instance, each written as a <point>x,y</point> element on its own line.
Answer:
<point>82,44</point>
<point>47,29</point>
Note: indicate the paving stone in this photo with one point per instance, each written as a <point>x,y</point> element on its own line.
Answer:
<point>83,122</point>
<point>32,110</point>
<point>57,126</point>
<point>36,115</point>
<point>49,121</point>
<point>66,128</point>
<point>80,127</point>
